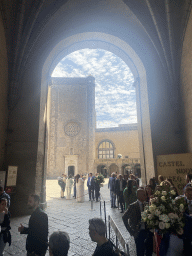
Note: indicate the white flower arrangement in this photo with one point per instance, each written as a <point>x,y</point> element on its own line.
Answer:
<point>164,193</point>
<point>165,213</point>
<point>173,192</point>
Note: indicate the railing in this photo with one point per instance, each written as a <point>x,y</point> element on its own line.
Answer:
<point>119,239</point>
<point>113,232</point>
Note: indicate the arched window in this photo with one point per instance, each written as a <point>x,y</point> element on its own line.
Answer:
<point>106,150</point>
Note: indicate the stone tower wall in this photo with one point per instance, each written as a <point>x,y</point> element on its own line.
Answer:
<point>71,135</point>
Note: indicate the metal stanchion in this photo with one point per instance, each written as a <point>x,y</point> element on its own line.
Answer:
<point>109,226</point>
<point>91,204</point>
<point>100,208</point>
<point>105,217</point>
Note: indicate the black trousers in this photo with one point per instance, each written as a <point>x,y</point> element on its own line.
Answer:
<point>121,200</point>
<point>144,243</point>
<point>91,193</point>
<point>97,194</point>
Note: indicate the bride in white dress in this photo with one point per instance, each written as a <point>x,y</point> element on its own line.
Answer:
<point>79,189</point>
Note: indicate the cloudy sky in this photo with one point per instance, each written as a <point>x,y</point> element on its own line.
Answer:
<point>115,97</point>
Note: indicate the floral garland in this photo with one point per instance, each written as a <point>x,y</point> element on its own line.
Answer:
<point>165,213</point>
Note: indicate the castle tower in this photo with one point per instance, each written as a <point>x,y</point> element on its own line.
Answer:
<point>71,129</point>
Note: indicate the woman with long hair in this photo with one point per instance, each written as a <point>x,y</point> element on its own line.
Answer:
<point>79,189</point>
<point>130,193</point>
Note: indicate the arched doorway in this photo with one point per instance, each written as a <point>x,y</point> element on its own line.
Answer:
<point>71,170</point>
<point>113,168</point>
<point>137,170</point>
<point>121,49</point>
<point>125,169</point>
<point>102,169</point>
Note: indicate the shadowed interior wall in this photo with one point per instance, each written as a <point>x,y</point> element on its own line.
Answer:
<point>186,79</point>
<point>3,92</point>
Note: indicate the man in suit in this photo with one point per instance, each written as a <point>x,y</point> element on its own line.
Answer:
<point>120,185</point>
<point>37,231</point>
<point>91,186</point>
<point>132,221</point>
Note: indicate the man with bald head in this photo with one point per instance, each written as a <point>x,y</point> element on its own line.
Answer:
<point>132,221</point>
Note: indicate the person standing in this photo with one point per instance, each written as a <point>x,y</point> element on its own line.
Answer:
<point>130,193</point>
<point>120,185</point>
<point>37,231</point>
<point>132,221</point>
<point>97,188</point>
<point>111,186</point>
<point>5,235</point>
<point>91,186</point>
<point>74,188</point>
<point>79,189</point>
<point>62,184</point>
<point>3,194</point>
<point>69,184</point>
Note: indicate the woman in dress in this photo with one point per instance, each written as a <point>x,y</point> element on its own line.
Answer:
<point>69,184</point>
<point>5,235</point>
<point>79,189</point>
<point>130,193</point>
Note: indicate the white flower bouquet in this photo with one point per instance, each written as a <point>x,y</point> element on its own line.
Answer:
<point>165,213</point>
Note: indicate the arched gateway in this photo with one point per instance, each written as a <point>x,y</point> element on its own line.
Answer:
<point>121,49</point>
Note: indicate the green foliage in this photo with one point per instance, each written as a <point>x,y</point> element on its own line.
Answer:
<point>99,179</point>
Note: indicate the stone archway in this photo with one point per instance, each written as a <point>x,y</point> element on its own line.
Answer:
<point>102,169</point>
<point>122,50</point>
<point>113,168</point>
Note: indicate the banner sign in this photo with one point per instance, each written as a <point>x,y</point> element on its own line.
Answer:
<point>175,167</point>
<point>12,176</point>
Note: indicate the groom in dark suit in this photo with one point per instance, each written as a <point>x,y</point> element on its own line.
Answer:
<point>132,220</point>
<point>91,186</point>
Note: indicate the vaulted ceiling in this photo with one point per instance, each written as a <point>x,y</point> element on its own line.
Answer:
<point>163,23</point>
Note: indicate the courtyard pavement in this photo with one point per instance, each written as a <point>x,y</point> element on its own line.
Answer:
<point>71,217</point>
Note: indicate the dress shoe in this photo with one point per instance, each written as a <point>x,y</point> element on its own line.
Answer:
<point>115,206</point>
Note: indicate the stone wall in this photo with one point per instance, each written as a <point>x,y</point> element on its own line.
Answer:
<point>72,125</point>
<point>125,140</point>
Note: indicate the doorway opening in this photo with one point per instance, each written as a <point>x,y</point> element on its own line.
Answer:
<point>71,170</point>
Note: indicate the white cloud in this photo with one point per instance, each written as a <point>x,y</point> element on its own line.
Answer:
<point>115,96</point>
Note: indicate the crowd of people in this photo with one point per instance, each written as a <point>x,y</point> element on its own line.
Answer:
<point>59,241</point>
<point>128,195</point>
<point>77,182</point>
<point>153,240</point>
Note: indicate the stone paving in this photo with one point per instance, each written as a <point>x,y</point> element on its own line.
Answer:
<point>72,217</point>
